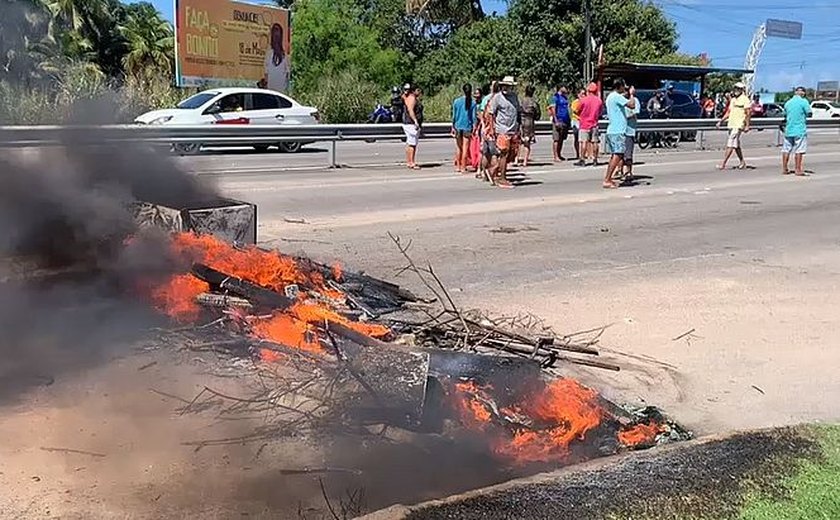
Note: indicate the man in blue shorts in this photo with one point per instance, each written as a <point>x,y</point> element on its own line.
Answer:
<point>617,105</point>
<point>797,110</point>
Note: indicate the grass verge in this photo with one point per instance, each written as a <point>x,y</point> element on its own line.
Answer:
<point>812,491</point>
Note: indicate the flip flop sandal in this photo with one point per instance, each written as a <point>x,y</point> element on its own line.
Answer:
<point>610,186</point>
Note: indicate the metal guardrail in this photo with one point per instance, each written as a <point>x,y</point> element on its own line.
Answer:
<point>37,136</point>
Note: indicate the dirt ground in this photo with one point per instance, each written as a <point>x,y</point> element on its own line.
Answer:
<point>760,354</point>
<point>761,351</point>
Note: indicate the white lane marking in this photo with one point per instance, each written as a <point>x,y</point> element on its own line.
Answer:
<point>277,184</point>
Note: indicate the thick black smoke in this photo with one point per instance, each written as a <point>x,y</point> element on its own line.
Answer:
<point>66,264</point>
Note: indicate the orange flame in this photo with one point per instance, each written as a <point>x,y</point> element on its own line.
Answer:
<point>568,409</point>
<point>270,269</point>
<point>639,435</point>
<point>572,408</point>
<point>471,410</point>
<point>294,327</point>
<point>176,297</point>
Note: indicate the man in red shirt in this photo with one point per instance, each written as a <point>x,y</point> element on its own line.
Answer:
<point>591,107</point>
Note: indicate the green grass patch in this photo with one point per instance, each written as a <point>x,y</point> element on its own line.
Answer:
<point>811,491</point>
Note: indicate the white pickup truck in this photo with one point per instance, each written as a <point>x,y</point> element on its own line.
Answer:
<point>825,109</point>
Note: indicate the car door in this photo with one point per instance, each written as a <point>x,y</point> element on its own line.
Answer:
<point>266,109</point>
<point>820,110</point>
<point>228,109</point>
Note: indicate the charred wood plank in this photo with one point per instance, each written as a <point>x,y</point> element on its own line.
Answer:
<point>257,295</point>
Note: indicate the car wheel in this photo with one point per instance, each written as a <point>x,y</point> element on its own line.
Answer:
<point>290,147</point>
<point>262,148</point>
<point>186,148</point>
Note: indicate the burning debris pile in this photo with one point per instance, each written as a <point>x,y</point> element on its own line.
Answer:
<point>339,349</point>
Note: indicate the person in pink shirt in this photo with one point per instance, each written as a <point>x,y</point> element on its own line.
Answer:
<point>591,107</point>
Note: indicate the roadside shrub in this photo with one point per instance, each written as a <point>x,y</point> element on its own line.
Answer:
<point>141,94</point>
<point>342,98</point>
<point>21,106</point>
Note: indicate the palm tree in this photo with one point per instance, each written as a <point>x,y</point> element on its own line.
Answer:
<point>150,42</point>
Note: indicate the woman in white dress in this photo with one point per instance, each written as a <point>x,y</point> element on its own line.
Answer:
<point>276,62</point>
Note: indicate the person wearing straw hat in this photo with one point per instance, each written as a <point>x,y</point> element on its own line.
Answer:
<point>738,117</point>
<point>505,117</point>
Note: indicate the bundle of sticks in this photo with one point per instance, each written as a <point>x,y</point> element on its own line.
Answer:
<point>523,336</point>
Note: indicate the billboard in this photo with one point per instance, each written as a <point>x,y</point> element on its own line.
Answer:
<point>226,43</point>
<point>783,29</point>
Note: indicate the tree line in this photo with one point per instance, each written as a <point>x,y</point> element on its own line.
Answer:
<point>345,53</point>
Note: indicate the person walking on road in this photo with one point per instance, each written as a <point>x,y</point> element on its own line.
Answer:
<point>411,125</point>
<point>630,140</point>
<point>797,110</point>
<point>575,109</point>
<point>505,124</point>
<point>561,120</point>
<point>529,115</point>
<point>738,116</point>
<point>463,124</point>
<point>591,107</point>
<point>617,105</point>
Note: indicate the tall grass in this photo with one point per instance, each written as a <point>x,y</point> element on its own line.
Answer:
<point>343,98</point>
<point>82,94</point>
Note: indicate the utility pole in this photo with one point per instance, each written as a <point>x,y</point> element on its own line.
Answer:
<point>587,53</point>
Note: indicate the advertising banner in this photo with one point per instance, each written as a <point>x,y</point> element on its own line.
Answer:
<point>225,43</point>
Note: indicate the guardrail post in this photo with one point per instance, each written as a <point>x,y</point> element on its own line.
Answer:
<point>702,135</point>
<point>333,159</point>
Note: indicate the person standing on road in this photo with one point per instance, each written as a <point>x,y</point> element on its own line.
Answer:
<point>708,107</point>
<point>617,105</point>
<point>488,143</point>
<point>756,107</point>
<point>575,106</point>
<point>463,124</point>
<point>529,115</point>
<point>561,120</point>
<point>630,141</point>
<point>656,106</point>
<point>411,126</point>
<point>591,107</point>
<point>505,118</point>
<point>738,116</point>
<point>797,110</point>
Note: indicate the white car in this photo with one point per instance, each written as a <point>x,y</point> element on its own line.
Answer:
<point>252,106</point>
<point>825,109</point>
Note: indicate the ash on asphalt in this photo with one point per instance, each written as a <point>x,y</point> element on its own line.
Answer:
<point>705,479</point>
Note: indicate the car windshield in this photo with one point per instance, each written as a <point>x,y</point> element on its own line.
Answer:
<point>197,100</point>
<point>835,105</point>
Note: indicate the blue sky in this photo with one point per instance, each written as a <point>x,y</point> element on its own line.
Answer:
<point>723,29</point>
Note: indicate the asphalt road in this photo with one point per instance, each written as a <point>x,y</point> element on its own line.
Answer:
<point>748,259</point>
